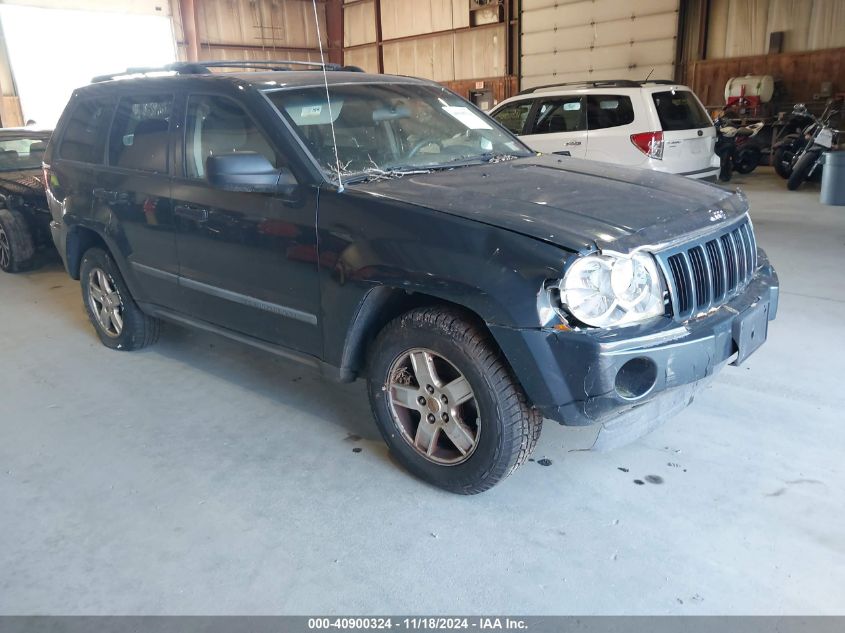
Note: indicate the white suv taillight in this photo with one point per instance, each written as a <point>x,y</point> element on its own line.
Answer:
<point>649,143</point>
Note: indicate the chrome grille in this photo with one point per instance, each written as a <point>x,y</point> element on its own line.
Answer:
<point>709,272</point>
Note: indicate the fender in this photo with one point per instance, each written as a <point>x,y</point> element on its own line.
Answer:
<point>82,235</point>
<point>373,268</point>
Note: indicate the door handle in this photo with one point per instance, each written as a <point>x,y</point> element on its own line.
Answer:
<point>191,212</point>
<point>110,197</point>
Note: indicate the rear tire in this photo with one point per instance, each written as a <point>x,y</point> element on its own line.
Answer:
<point>801,170</point>
<point>747,160</point>
<point>782,158</point>
<point>435,375</point>
<point>17,248</point>
<point>116,317</point>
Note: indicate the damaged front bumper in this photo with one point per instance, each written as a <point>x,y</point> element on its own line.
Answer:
<point>631,379</point>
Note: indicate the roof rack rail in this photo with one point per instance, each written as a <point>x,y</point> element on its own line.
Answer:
<point>204,68</point>
<point>602,83</point>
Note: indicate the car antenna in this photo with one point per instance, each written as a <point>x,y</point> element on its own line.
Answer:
<point>328,99</point>
<point>649,76</point>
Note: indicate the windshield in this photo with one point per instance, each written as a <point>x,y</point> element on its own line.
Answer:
<point>383,129</point>
<point>21,153</point>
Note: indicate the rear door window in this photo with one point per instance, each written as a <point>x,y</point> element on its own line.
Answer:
<point>680,110</point>
<point>604,111</point>
<point>140,133</point>
<point>84,138</point>
<point>565,114</point>
<point>514,115</point>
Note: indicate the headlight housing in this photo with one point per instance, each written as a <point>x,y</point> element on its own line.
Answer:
<point>609,290</point>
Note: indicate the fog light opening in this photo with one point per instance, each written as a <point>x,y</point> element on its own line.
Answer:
<point>636,378</point>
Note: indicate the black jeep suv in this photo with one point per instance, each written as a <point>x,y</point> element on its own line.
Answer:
<point>382,226</point>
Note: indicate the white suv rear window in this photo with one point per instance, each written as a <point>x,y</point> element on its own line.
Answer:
<point>680,110</point>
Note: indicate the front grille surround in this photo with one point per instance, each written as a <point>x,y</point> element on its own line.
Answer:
<point>707,272</point>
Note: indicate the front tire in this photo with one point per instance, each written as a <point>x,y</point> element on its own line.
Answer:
<point>726,168</point>
<point>17,248</point>
<point>446,403</point>
<point>801,170</point>
<point>116,317</point>
<point>782,158</point>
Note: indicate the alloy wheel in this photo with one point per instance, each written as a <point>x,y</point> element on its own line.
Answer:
<point>105,302</point>
<point>433,407</point>
<point>5,250</point>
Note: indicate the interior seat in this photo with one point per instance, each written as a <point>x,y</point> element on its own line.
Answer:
<point>148,151</point>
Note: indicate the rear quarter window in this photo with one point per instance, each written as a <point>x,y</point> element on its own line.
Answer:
<point>140,133</point>
<point>604,111</point>
<point>84,138</point>
<point>680,110</point>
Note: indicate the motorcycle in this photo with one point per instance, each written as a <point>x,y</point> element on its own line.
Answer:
<point>799,123</point>
<point>748,151</point>
<point>808,162</point>
<point>735,149</point>
<point>788,157</point>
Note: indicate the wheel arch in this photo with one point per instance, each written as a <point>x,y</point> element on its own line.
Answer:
<point>380,306</point>
<point>79,240</point>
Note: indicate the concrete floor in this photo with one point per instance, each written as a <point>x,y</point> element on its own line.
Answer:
<point>203,477</point>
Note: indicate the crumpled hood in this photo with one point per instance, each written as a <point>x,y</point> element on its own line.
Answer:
<point>570,202</point>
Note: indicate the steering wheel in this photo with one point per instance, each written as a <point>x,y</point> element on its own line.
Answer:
<point>423,143</point>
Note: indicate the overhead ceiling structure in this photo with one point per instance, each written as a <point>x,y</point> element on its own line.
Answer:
<point>573,40</point>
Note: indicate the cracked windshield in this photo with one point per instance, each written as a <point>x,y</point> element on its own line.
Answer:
<point>386,131</point>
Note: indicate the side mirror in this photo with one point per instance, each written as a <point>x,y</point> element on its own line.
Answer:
<point>250,172</point>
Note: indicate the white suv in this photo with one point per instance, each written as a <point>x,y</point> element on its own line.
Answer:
<point>655,125</point>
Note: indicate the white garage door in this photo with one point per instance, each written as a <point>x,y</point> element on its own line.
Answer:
<point>573,40</point>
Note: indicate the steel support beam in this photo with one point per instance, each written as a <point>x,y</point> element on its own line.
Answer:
<point>190,29</point>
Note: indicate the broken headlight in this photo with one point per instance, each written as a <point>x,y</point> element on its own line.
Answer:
<point>608,290</point>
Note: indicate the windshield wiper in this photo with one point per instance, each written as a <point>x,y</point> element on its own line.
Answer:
<point>374,174</point>
<point>481,159</point>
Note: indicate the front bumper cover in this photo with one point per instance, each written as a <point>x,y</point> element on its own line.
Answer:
<point>570,376</point>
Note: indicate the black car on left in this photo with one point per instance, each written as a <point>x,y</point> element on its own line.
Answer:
<point>24,214</point>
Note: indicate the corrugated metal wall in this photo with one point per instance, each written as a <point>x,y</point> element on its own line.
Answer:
<point>571,40</point>
<point>426,38</point>
<point>359,31</point>
<point>253,29</point>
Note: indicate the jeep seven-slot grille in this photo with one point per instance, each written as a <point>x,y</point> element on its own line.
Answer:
<point>708,273</point>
